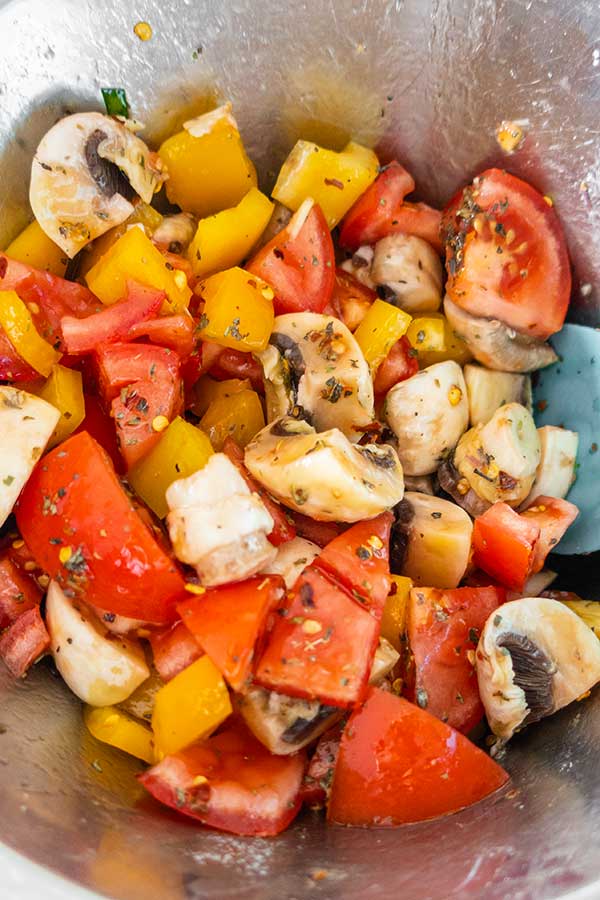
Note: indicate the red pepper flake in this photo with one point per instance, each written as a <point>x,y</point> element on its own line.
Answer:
<point>541,405</point>
<point>3,266</point>
<point>333,182</point>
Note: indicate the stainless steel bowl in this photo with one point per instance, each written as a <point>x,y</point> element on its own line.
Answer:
<point>428,80</point>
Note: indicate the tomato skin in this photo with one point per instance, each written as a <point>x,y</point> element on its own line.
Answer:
<point>229,622</point>
<point>442,627</point>
<point>351,300</point>
<point>400,363</point>
<point>113,323</point>
<point>504,545</point>
<point>524,282</point>
<point>101,428</point>
<point>398,764</point>
<point>552,516</point>
<point>12,367</point>
<point>231,363</point>
<point>175,332</point>
<point>18,592</point>
<point>74,497</point>
<point>299,267</point>
<point>320,533</point>
<point>247,791</point>
<point>173,650</point>
<point>24,641</point>
<point>316,786</point>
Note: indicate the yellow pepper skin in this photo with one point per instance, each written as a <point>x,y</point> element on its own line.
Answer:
<point>238,415</point>
<point>225,239</point>
<point>238,310</point>
<point>17,322</point>
<point>393,621</point>
<point>189,707</point>
<point>34,247</point>
<point>112,726</point>
<point>64,390</point>
<point>427,333</point>
<point>207,164</point>
<point>181,451</point>
<point>208,389</point>
<point>381,327</point>
<point>143,214</point>
<point>454,348</point>
<point>134,256</point>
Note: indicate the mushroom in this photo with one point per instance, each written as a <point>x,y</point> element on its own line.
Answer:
<point>141,703</point>
<point>428,413</point>
<point>175,233</point>
<point>280,217</point>
<point>497,346</point>
<point>534,656</point>
<point>535,585</point>
<point>324,475</point>
<point>292,558</point>
<point>408,273</point>
<point>314,363</point>
<point>556,470</point>
<point>423,484</point>
<point>488,389</point>
<point>430,541</point>
<point>217,525</point>
<point>84,173</point>
<point>359,265</point>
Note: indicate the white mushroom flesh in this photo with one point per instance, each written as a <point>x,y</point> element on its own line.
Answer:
<point>280,217</point>
<point>292,558</point>
<point>359,265</point>
<point>428,413</point>
<point>218,525</point>
<point>534,657</point>
<point>75,183</point>
<point>409,272</point>
<point>323,475</point>
<point>488,389</point>
<point>558,455</point>
<point>423,484</point>
<point>534,585</point>
<point>175,233</point>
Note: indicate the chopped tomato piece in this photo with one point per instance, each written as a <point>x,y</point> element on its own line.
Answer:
<point>119,365</point>
<point>400,363</point>
<point>506,254</point>
<point>173,650</point>
<point>113,323</point>
<point>322,644</point>
<point>24,642</point>
<point>175,332</point>
<point>399,764</point>
<point>229,623</point>
<point>504,545</point>
<point>18,592</point>
<point>230,363</point>
<point>443,632</point>
<point>283,529</point>
<point>552,516</point>
<point>12,367</point>
<point>351,300</point>
<point>101,427</point>
<point>359,558</point>
<point>230,782</point>
<point>320,533</point>
<point>83,530</point>
<point>299,263</point>
<point>316,786</point>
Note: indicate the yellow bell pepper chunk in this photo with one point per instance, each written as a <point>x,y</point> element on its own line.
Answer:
<point>454,347</point>
<point>427,333</point>
<point>134,256</point>
<point>189,707</point>
<point>225,239</point>
<point>238,310</point>
<point>334,180</point>
<point>143,214</point>
<point>588,611</point>
<point>112,726</point>
<point>17,322</point>
<point>207,164</point>
<point>34,247</point>
<point>208,389</point>
<point>181,451</point>
<point>381,327</point>
<point>393,621</point>
<point>239,415</point>
<point>64,390</point>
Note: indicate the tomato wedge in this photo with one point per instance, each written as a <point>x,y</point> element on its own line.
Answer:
<point>504,545</point>
<point>299,263</point>
<point>506,254</point>
<point>400,363</point>
<point>351,300</point>
<point>173,650</point>
<point>552,516</point>
<point>230,363</point>
<point>230,782</point>
<point>398,764</point>
<point>229,623</point>
<point>114,323</point>
<point>322,644</point>
<point>443,630</point>
<point>18,592</point>
<point>175,332</point>
<point>101,427</point>
<point>84,532</point>
<point>24,642</point>
<point>320,533</point>
<point>12,366</point>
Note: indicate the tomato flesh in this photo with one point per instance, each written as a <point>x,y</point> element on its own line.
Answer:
<point>18,592</point>
<point>552,516</point>
<point>24,641</point>
<point>504,545</point>
<point>173,650</point>
<point>400,363</point>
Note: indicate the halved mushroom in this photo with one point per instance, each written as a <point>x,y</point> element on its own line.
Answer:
<point>84,173</point>
<point>314,363</point>
<point>175,233</point>
<point>423,484</point>
<point>534,586</point>
<point>556,470</point>
<point>497,346</point>
<point>430,541</point>
<point>324,475</point>
<point>488,389</point>
<point>408,273</point>
<point>292,558</point>
<point>280,217</point>
<point>534,657</point>
<point>217,525</point>
<point>359,265</point>
<point>428,413</point>
<point>140,704</point>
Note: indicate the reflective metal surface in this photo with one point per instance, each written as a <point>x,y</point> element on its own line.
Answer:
<point>428,80</point>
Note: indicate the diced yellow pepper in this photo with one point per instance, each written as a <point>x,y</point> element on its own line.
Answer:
<point>207,164</point>
<point>112,726</point>
<point>393,621</point>
<point>17,322</point>
<point>134,256</point>
<point>455,348</point>
<point>64,390</point>
<point>427,333</point>
<point>239,415</point>
<point>208,389</point>
<point>189,707</point>
<point>225,239</point>
<point>181,451</point>
<point>238,310</point>
<point>34,247</point>
<point>143,214</point>
<point>334,180</point>
<point>588,610</point>
<point>381,327</point>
